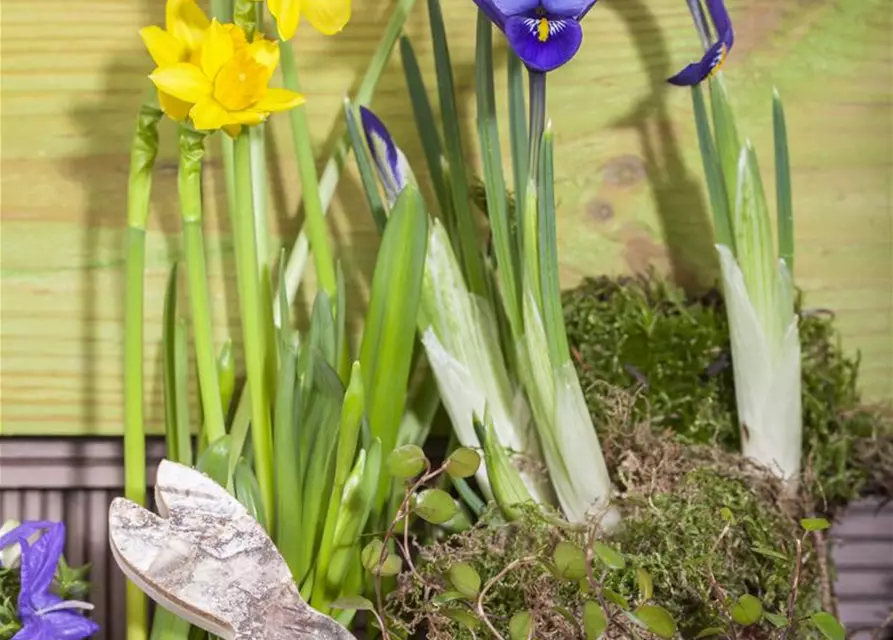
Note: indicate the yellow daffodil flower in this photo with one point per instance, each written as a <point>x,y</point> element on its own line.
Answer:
<point>327,16</point>
<point>228,86</point>
<point>180,41</point>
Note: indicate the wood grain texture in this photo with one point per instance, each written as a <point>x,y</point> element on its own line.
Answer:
<point>629,179</point>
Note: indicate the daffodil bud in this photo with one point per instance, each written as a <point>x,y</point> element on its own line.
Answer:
<point>143,153</point>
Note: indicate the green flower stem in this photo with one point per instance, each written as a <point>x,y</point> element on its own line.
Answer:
<point>142,162</point>
<point>189,184</point>
<point>537,122</point>
<point>297,257</point>
<point>134,433</point>
<point>259,193</point>
<point>313,209</point>
<point>250,301</point>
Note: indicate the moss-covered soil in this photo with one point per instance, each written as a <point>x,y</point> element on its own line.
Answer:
<point>706,526</point>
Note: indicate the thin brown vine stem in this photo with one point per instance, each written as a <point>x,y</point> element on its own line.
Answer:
<point>795,583</point>
<point>596,585</point>
<point>720,592</point>
<point>479,603</point>
<point>829,603</point>
<point>402,512</point>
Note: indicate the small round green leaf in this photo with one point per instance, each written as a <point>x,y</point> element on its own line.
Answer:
<point>392,565</point>
<point>521,626</point>
<point>828,625</point>
<point>611,557</point>
<point>358,603</point>
<point>463,617</point>
<point>447,596</point>
<point>465,579</point>
<point>407,461</point>
<point>710,632</point>
<point>776,619</point>
<point>616,598</point>
<point>747,610</point>
<point>726,514</point>
<point>371,555</point>
<point>570,561</point>
<point>657,620</point>
<point>435,506</point>
<point>646,584</point>
<point>594,622</point>
<point>463,462</point>
<point>814,524</point>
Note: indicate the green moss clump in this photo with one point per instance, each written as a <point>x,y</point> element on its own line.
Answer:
<point>489,548</point>
<point>9,594</point>
<point>644,332</point>
<point>681,539</point>
<point>705,523</point>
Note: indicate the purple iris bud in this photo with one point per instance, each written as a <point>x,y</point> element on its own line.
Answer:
<point>393,168</point>
<point>544,34</point>
<point>43,614</point>
<point>716,54</point>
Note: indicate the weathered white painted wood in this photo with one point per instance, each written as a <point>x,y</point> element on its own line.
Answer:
<point>207,560</point>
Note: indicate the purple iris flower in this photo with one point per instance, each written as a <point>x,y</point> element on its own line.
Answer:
<point>44,615</point>
<point>545,34</point>
<point>393,168</point>
<point>716,54</point>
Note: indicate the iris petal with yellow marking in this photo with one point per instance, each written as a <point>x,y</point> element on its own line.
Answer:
<point>545,34</point>
<point>716,55</point>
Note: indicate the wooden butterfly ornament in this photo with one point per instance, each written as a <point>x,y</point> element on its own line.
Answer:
<point>205,559</point>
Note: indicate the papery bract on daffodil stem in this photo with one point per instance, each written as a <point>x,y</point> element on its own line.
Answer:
<point>229,86</point>
<point>327,16</point>
<point>180,41</point>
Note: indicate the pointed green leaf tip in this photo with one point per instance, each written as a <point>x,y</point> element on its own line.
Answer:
<point>570,561</point>
<point>372,560</point>
<point>594,622</point>
<point>747,610</point>
<point>521,626</point>
<point>657,620</point>
<point>776,619</point>
<point>463,463</point>
<point>407,461</point>
<point>814,524</point>
<point>463,617</point>
<point>645,583</point>
<point>435,506</point>
<point>465,579</point>
<point>611,557</point>
<point>616,598</point>
<point>828,625</point>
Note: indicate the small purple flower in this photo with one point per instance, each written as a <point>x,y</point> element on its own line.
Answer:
<point>44,615</point>
<point>716,54</point>
<point>393,168</point>
<point>545,34</point>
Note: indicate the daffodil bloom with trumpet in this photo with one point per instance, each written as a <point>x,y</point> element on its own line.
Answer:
<point>227,86</point>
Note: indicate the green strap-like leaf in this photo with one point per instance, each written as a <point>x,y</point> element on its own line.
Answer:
<point>427,128</point>
<point>466,242</point>
<point>785,207</point>
<point>716,187</point>
<point>390,329</point>
<point>494,181</point>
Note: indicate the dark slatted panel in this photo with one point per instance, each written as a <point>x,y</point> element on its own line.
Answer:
<point>863,554</point>
<point>75,481</point>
